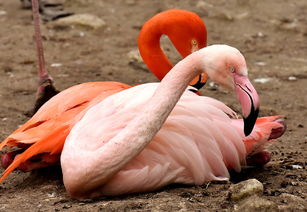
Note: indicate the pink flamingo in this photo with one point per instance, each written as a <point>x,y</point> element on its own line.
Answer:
<point>141,139</point>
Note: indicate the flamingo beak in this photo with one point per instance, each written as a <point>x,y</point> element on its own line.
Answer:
<point>249,100</point>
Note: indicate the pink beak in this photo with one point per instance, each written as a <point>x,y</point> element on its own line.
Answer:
<point>249,100</point>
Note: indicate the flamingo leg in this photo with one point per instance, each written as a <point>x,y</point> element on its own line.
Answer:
<point>45,89</point>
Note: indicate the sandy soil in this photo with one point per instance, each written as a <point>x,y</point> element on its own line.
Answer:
<point>271,34</point>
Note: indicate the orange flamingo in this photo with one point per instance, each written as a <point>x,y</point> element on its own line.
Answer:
<point>41,139</point>
<point>155,134</point>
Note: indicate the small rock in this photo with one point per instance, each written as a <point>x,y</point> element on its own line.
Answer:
<point>213,86</point>
<point>255,203</point>
<point>10,74</point>
<point>55,65</point>
<point>262,80</point>
<point>67,206</point>
<point>81,34</point>
<point>260,63</point>
<point>296,167</point>
<point>85,20</point>
<point>136,61</point>
<point>244,189</point>
<point>260,34</point>
<point>2,12</point>
<point>292,78</point>
<point>52,195</point>
<point>134,56</point>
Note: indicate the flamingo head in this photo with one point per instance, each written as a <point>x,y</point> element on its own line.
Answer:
<point>226,66</point>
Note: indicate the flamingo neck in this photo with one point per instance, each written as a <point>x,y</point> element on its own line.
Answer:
<point>150,50</point>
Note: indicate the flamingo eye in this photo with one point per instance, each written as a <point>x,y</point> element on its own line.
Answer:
<point>194,42</point>
<point>194,45</point>
<point>232,70</point>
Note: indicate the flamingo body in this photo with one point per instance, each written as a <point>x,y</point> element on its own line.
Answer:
<point>197,143</point>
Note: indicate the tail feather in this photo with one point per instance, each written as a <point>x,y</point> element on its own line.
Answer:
<point>11,140</point>
<point>53,144</point>
<point>261,134</point>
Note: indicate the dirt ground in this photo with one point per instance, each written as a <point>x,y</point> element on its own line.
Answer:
<point>271,34</point>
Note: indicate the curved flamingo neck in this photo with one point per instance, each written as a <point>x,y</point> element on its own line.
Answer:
<point>150,50</point>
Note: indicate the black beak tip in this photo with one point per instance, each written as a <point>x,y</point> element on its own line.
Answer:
<point>249,121</point>
<point>199,85</point>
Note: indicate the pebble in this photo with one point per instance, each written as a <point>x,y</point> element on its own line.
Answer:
<point>85,20</point>
<point>296,167</point>
<point>260,34</point>
<point>260,63</point>
<point>262,80</point>
<point>292,78</point>
<point>255,203</point>
<point>81,34</point>
<point>10,74</point>
<point>67,206</point>
<point>134,56</point>
<point>51,195</point>
<point>244,189</point>
<point>2,12</point>
<point>56,65</point>
<point>213,86</point>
